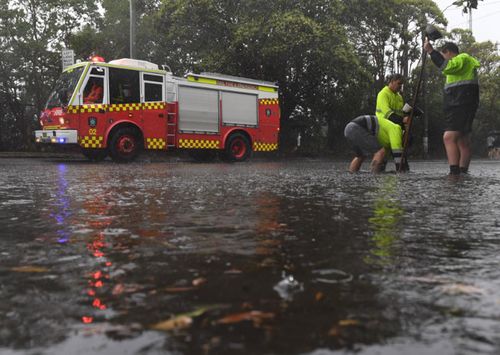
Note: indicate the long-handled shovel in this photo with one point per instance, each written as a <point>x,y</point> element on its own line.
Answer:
<point>432,34</point>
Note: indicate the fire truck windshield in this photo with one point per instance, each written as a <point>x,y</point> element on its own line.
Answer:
<point>64,88</point>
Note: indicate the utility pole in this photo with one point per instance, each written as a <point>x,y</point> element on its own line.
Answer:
<point>425,138</point>
<point>132,29</point>
<point>470,20</point>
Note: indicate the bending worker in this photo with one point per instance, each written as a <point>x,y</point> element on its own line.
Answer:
<point>372,135</point>
<point>461,100</point>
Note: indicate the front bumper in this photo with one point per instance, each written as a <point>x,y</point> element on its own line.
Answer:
<point>58,136</point>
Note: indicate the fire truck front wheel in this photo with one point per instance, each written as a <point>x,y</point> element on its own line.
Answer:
<point>238,148</point>
<point>124,145</point>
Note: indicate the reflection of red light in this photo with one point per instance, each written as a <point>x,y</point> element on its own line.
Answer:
<point>98,284</point>
<point>97,275</point>
<point>108,263</point>
<point>96,303</point>
<point>102,307</point>
<point>91,292</point>
<point>87,320</point>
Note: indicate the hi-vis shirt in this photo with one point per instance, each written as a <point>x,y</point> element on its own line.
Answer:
<point>462,85</point>
<point>390,105</point>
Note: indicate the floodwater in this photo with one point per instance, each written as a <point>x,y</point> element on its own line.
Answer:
<point>295,257</point>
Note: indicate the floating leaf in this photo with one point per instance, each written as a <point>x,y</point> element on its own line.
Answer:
<point>179,322</point>
<point>29,268</point>
<point>182,321</point>
<point>233,272</point>
<point>455,289</point>
<point>334,331</point>
<point>178,289</point>
<point>257,317</point>
<point>348,322</point>
<point>199,281</point>
<point>319,296</point>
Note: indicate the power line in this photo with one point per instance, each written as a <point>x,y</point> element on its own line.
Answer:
<point>479,18</point>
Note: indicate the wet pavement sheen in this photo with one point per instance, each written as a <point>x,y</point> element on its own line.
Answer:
<point>294,257</point>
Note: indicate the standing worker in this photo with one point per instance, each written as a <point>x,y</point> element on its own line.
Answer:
<point>373,135</point>
<point>461,100</point>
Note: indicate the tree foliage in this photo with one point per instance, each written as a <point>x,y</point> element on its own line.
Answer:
<point>329,57</point>
<point>32,33</point>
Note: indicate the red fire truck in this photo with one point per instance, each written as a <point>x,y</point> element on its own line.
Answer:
<point>126,105</point>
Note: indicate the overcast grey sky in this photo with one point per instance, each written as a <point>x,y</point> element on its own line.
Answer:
<point>485,20</point>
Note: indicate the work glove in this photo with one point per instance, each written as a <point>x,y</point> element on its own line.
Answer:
<point>416,112</point>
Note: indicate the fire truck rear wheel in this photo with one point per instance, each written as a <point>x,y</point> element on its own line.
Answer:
<point>125,145</point>
<point>95,154</point>
<point>238,148</point>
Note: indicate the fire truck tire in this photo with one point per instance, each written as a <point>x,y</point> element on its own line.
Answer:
<point>203,155</point>
<point>95,154</point>
<point>237,149</point>
<point>125,145</point>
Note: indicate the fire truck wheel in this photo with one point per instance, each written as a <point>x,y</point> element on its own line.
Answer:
<point>203,155</point>
<point>238,148</point>
<point>95,154</point>
<point>124,145</point>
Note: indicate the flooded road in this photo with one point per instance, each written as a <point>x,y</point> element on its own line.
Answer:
<point>256,258</point>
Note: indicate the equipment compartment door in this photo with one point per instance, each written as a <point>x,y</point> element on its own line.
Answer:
<point>239,109</point>
<point>198,110</point>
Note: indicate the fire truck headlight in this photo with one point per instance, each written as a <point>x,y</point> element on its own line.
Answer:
<point>61,120</point>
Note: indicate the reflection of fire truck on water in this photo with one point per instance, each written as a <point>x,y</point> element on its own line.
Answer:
<point>126,105</point>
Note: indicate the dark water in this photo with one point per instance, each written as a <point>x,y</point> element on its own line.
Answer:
<point>256,258</point>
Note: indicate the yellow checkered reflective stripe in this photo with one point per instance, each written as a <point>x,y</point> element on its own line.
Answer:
<point>269,101</point>
<point>198,143</point>
<point>153,105</point>
<point>264,147</point>
<point>73,109</point>
<point>91,141</point>
<point>155,143</point>
<point>117,107</point>
<point>124,107</point>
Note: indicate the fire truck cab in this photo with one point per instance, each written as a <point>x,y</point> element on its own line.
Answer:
<point>124,106</point>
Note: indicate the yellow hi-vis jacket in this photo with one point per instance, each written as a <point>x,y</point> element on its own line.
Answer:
<point>462,85</point>
<point>390,105</point>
